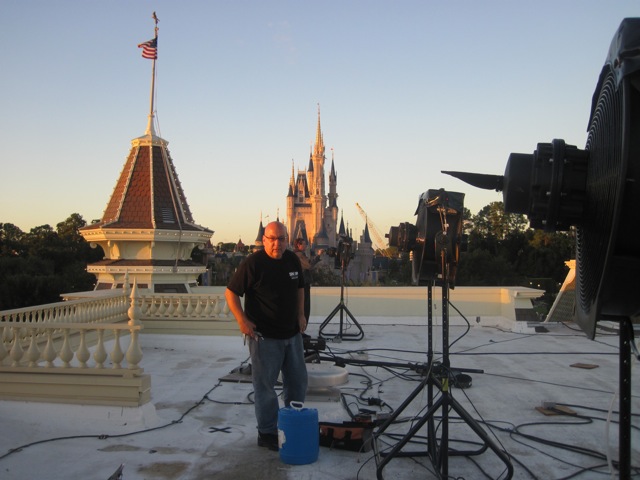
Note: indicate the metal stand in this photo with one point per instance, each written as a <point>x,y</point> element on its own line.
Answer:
<point>438,376</point>
<point>624,435</point>
<point>342,308</point>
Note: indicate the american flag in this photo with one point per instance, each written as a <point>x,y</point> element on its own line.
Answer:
<point>150,49</point>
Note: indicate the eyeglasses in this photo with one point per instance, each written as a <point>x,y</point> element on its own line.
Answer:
<point>279,239</point>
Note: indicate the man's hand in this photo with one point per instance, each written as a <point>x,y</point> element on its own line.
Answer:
<point>247,327</point>
<point>302,321</point>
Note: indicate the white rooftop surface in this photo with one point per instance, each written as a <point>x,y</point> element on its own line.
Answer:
<point>197,427</point>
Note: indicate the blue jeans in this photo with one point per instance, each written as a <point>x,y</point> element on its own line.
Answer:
<point>268,357</point>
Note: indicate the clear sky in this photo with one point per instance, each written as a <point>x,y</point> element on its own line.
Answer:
<point>406,89</point>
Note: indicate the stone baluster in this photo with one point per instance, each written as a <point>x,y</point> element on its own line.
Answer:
<point>159,306</point>
<point>66,354</point>
<point>145,306</point>
<point>3,350</point>
<point>33,353</point>
<point>100,354</point>
<point>16,350</point>
<point>134,312</point>
<point>134,352</point>
<point>181,309</point>
<point>162,307</point>
<point>217,309</point>
<point>8,334</point>
<point>125,284</point>
<point>79,314</point>
<point>171,307</point>
<point>49,354</point>
<point>82,354</point>
<point>94,311</point>
<point>209,305</point>
<point>190,309</point>
<point>200,304</point>
<point>116,354</point>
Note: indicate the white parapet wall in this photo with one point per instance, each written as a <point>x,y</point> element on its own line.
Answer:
<point>505,306</point>
<point>510,304</point>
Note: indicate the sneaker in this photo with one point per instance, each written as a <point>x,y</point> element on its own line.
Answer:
<point>269,440</point>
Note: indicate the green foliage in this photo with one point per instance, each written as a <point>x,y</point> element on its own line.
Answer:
<point>36,267</point>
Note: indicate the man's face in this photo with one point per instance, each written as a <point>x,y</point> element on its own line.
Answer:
<point>274,241</point>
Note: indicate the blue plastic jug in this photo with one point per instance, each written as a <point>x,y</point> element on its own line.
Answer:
<point>298,434</point>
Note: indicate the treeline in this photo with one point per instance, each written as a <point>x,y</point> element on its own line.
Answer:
<point>37,266</point>
<point>501,250</point>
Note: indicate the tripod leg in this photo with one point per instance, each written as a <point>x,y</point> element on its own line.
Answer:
<point>355,336</point>
<point>470,421</point>
<point>328,319</point>
<point>395,451</point>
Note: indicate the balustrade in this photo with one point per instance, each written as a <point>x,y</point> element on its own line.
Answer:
<point>67,356</point>
<point>185,305</point>
<point>60,335</point>
<point>108,309</point>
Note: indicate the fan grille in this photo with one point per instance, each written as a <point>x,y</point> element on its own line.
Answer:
<point>594,236</point>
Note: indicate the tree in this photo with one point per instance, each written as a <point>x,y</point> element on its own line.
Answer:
<point>492,220</point>
<point>38,266</point>
<point>11,238</point>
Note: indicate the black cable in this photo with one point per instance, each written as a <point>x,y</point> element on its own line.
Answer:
<point>121,435</point>
<point>564,385</point>
<point>465,319</point>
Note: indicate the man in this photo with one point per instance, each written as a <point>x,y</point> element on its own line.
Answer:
<point>273,321</point>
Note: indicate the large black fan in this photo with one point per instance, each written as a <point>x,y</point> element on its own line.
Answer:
<point>595,189</point>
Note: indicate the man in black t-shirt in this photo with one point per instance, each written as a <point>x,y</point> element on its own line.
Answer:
<point>273,320</point>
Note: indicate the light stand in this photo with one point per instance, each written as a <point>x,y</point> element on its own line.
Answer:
<point>438,376</point>
<point>342,308</point>
<point>624,435</point>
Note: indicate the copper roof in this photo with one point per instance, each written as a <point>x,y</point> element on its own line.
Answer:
<point>148,194</point>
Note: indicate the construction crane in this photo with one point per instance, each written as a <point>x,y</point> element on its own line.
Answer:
<point>378,242</point>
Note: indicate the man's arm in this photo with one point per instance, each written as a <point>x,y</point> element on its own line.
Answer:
<point>302,321</point>
<point>247,327</point>
<point>304,261</point>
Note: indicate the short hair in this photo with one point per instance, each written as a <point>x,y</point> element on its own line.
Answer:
<point>299,241</point>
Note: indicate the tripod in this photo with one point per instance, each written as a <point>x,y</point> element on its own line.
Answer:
<point>342,308</point>
<point>438,377</point>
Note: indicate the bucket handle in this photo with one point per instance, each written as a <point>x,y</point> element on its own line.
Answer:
<point>296,405</point>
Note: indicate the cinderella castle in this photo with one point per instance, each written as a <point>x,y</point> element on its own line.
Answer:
<point>312,213</point>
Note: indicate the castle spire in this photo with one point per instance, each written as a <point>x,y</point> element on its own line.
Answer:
<point>319,146</point>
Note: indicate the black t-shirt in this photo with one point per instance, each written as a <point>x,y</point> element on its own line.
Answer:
<point>271,288</point>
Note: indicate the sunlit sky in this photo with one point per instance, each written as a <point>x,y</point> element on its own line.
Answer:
<point>406,89</point>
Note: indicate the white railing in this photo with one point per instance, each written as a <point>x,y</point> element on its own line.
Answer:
<point>48,357</point>
<point>59,335</point>
<point>185,305</point>
<point>29,336</point>
<point>107,309</point>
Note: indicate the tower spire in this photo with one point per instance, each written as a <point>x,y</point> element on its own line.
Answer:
<point>319,147</point>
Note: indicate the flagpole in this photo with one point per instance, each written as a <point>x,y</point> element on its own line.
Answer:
<point>150,129</point>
